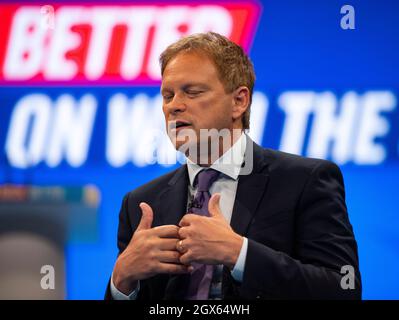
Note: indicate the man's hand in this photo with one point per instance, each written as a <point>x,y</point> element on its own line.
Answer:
<point>150,251</point>
<point>209,240</point>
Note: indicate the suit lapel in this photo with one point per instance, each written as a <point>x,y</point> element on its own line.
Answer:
<point>249,193</point>
<point>173,201</point>
<point>250,189</point>
<point>173,204</point>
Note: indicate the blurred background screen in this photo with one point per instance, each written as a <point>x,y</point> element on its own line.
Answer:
<point>81,122</point>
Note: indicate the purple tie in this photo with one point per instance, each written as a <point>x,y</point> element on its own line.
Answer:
<point>201,277</point>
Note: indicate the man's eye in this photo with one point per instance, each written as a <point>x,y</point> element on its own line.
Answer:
<point>193,92</point>
<point>167,97</point>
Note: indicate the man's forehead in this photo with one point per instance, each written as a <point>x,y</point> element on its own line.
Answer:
<point>186,69</point>
<point>190,54</point>
<point>186,61</point>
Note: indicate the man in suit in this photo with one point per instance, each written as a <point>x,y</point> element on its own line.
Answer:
<point>212,229</point>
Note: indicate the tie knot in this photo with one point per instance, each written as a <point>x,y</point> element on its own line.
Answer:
<point>206,178</point>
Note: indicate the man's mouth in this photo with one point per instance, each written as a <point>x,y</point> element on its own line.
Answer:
<point>179,124</point>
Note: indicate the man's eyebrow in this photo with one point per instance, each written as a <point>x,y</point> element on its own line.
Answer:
<point>190,85</point>
<point>165,89</point>
<point>186,86</point>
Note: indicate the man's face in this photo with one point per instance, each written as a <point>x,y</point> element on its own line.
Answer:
<point>193,97</point>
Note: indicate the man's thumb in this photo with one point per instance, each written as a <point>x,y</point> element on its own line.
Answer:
<point>214,207</point>
<point>146,218</point>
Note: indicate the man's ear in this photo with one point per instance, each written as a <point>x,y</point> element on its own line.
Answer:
<point>240,102</point>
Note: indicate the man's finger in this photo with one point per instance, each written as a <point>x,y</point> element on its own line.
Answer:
<point>214,206</point>
<point>167,244</point>
<point>187,258</point>
<point>166,231</point>
<point>187,219</point>
<point>169,256</point>
<point>146,218</point>
<point>184,232</point>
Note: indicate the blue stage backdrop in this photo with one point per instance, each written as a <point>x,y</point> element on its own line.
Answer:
<point>80,105</point>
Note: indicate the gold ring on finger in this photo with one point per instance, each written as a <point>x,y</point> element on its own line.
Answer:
<point>180,245</point>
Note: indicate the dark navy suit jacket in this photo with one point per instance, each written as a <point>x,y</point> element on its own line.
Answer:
<point>292,210</point>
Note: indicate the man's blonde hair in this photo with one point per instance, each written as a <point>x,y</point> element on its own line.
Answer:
<point>234,67</point>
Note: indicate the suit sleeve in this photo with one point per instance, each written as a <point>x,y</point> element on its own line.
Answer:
<point>125,233</point>
<point>324,243</point>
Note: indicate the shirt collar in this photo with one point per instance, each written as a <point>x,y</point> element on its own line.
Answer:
<point>228,164</point>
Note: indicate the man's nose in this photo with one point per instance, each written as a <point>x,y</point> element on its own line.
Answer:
<point>177,105</point>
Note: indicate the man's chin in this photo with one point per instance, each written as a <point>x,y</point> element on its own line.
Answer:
<point>183,140</point>
<point>186,146</point>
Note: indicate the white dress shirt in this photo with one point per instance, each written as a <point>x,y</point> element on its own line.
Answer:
<point>229,165</point>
